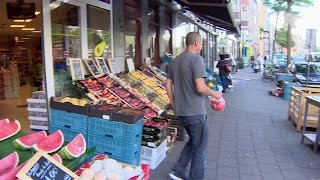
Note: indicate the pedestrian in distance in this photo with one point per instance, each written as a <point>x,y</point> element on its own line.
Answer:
<point>187,92</point>
<point>224,71</point>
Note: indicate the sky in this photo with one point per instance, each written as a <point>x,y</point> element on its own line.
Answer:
<point>309,19</point>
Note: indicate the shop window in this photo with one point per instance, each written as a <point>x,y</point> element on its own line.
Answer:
<point>167,41</point>
<point>132,30</point>
<point>99,37</point>
<point>153,32</point>
<point>130,46</point>
<point>66,42</point>
<point>65,34</point>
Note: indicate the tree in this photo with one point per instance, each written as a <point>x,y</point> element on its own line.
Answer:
<point>282,39</point>
<point>286,6</point>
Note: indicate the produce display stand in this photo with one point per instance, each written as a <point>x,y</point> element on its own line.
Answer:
<point>313,137</point>
<point>7,148</point>
<point>297,106</point>
<point>145,169</point>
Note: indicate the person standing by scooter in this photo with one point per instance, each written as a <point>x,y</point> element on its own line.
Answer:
<point>224,70</point>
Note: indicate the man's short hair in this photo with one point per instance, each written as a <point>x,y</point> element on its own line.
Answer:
<point>192,37</point>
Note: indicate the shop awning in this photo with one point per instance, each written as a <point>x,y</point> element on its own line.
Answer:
<point>217,12</point>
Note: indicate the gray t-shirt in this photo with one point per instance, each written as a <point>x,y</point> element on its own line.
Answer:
<point>183,71</point>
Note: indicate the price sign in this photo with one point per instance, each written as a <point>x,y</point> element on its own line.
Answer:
<point>76,68</point>
<point>102,65</point>
<point>130,65</point>
<point>43,167</point>
<point>113,66</point>
<point>92,67</point>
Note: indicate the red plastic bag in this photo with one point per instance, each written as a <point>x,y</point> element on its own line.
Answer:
<point>228,68</point>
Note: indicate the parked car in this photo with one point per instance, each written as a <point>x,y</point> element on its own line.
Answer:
<point>300,69</point>
<point>297,59</point>
<point>280,60</point>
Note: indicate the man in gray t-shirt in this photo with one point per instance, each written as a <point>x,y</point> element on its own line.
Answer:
<point>187,90</point>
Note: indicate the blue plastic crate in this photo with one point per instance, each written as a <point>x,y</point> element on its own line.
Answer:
<point>116,130</point>
<point>115,148</point>
<point>68,134</point>
<point>284,77</point>
<point>71,121</point>
<point>287,90</point>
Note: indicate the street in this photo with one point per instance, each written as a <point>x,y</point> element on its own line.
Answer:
<point>252,139</point>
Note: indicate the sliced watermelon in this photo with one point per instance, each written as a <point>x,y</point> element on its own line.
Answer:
<point>75,148</point>
<point>9,129</point>
<point>4,121</point>
<point>12,174</point>
<point>57,157</point>
<point>8,163</point>
<point>51,143</point>
<point>26,142</point>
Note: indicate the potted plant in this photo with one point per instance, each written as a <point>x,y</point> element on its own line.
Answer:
<point>241,63</point>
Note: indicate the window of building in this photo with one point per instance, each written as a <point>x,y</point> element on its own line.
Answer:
<point>99,35</point>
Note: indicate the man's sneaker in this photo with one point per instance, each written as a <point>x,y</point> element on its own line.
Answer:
<point>173,175</point>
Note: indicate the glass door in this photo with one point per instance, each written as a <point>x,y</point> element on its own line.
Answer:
<point>71,30</point>
<point>62,39</point>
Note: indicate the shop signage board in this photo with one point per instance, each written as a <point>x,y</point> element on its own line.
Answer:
<point>102,65</point>
<point>130,65</point>
<point>92,67</point>
<point>76,68</point>
<point>113,66</point>
<point>43,167</point>
<point>147,61</point>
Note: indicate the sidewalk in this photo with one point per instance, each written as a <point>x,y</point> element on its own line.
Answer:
<point>252,139</point>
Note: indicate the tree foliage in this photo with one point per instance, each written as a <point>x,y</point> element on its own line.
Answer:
<point>282,39</point>
<point>279,6</point>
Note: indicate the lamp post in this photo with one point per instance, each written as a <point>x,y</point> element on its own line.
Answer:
<point>309,60</point>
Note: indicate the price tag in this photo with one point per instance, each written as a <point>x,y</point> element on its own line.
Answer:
<point>43,167</point>
<point>76,68</point>
<point>102,65</point>
<point>92,67</point>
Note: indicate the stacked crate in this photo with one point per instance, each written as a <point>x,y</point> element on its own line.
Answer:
<point>175,123</point>
<point>154,142</point>
<point>7,83</point>
<point>37,108</point>
<point>70,119</point>
<point>297,105</point>
<point>154,156</point>
<point>15,80</point>
<point>116,133</point>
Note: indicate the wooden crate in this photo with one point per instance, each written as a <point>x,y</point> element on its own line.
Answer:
<point>297,106</point>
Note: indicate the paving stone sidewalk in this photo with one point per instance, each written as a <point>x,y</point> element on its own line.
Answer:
<point>252,139</point>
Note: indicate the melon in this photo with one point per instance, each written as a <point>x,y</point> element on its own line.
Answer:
<point>75,148</point>
<point>12,174</point>
<point>9,129</point>
<point>57,158</point>
<point>51,143</point>
<point>26,142</point>
<point>4,121</point>
<point>8,163</point>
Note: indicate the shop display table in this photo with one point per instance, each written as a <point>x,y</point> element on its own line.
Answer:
<point>313,137</point>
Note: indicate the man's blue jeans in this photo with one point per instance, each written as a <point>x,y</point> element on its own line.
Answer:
<point>195,149</point>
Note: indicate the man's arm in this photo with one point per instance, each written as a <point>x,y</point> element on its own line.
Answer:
<point>203,89</point>
<point>169,87</point>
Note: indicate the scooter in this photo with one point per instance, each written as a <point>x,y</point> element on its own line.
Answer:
<point>256,66</point>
